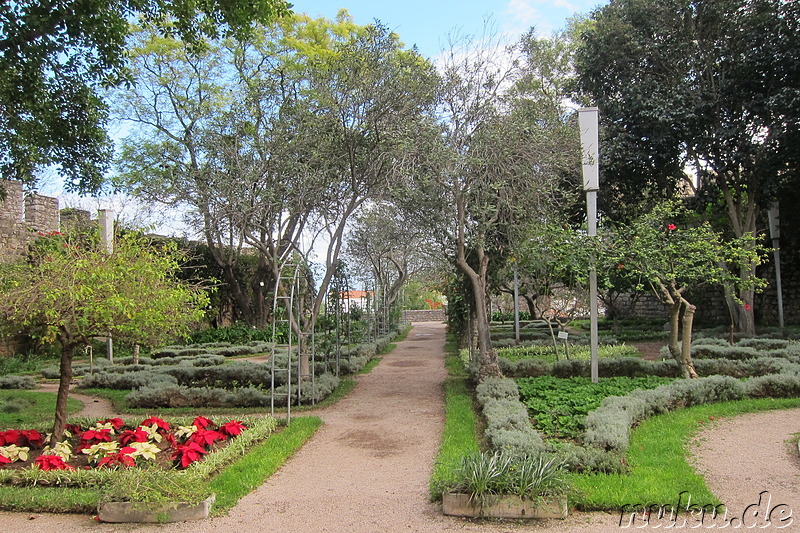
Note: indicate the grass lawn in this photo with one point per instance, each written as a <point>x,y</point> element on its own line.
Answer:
<point>659,469</point>
<point>460,436</point>
<point>20,409</point>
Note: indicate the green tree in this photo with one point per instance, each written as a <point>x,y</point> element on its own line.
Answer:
<point>70,294</point>
<point>667,250</point>
<point>502,153</point>
<point>55,57</point>
<point>705,89</point>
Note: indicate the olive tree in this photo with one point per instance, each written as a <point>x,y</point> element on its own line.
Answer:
<point>71,293</point>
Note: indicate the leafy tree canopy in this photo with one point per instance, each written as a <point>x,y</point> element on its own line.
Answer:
<point>707,85</point>
<point>55,55</point>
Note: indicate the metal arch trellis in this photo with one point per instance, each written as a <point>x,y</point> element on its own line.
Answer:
<point>287,310</point>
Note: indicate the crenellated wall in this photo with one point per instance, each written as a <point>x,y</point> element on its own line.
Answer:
<point>22,219</point>
<point>25,217</point>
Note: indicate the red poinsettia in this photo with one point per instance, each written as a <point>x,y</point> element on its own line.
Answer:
<point>73,429</point>
<point>52,462</point>
<point>116,423</point>
<point>121,458</point>
<point>90,437</point>
<point>202,422</point>
<point>232,428</point>
<point>132,435</point>
<point>206,437</point>
<point>163,427</point>
<point>25,437</point>
<point>9,437</point>
<point>186,454</point>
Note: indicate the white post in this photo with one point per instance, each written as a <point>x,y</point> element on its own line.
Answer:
<point>775,234</point>
<point>105,219</point>
<point>588,123</point>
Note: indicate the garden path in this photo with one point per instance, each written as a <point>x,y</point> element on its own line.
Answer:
<point>367,469</point>
<point>93,407</point>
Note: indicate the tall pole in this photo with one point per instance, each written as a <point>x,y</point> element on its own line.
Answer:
<point>105,218</point>
<point>775,234</point>
<point>516,304</point>
<point>588,123</point>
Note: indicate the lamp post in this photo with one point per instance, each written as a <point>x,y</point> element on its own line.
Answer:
<point>775,234</point>
<point>588,123</point>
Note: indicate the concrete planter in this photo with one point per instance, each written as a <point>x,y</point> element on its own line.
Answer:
<point>153,512</point>
<point>503,506</point>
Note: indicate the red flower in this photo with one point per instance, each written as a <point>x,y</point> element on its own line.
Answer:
<point>30,437</point>
<point>73,428</point>
<point>11,436</point>
<point>620,266</point>
<point>232,428</point>
<point>90,437</point>
<point>116,423</point>
<point>52,462</point>
<point>163,427</point>
<point>132,435</point>
<point>671,227</point>
<point>747,307</point>
<point>206,437</point>
<point>186,454</point>
<point>202,422</point>
<point>120,458</point>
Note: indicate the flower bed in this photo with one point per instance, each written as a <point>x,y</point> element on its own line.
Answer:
<point>111,443</point>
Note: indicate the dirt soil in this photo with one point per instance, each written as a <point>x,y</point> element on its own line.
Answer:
<point>367,468</point>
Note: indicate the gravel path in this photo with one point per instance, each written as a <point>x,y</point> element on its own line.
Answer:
<point>367,469</point>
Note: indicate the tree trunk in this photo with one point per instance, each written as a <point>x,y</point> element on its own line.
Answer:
<point>687,366</point>
<point>674,329</point>
<point>489,364</point>
<point>67,352</point>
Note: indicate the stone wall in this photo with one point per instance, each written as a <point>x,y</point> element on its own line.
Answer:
<point>424,315</point>
<point>22,219</point>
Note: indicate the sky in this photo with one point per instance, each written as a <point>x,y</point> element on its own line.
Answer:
<point>427,24</point>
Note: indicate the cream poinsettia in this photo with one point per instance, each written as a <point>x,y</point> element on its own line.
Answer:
<point>15,453</point>
<point>100,450</point>
<point>61,449</point>
<point>184,432</point>
<point>145,450</point>
<point>152,432</point>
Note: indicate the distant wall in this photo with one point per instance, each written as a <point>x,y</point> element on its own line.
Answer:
<point>23,218</point>
<point>427,315</point>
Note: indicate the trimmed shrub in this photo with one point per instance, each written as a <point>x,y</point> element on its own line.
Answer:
<point>774,386</point>
<point>126,380</point>
<point>608,427</point>
<point>17,382</point>
<point>524,368</point>
<point>178,396</point>
<point>507,425</point>
<point>763,343</point>
<point>712,351</point>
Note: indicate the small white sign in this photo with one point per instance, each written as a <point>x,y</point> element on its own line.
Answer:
<point>563,335</point>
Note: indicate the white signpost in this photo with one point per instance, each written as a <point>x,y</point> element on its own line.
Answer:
<point>588,124</point>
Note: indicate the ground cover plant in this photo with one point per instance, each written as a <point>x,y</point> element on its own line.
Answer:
<point>558,406</point>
